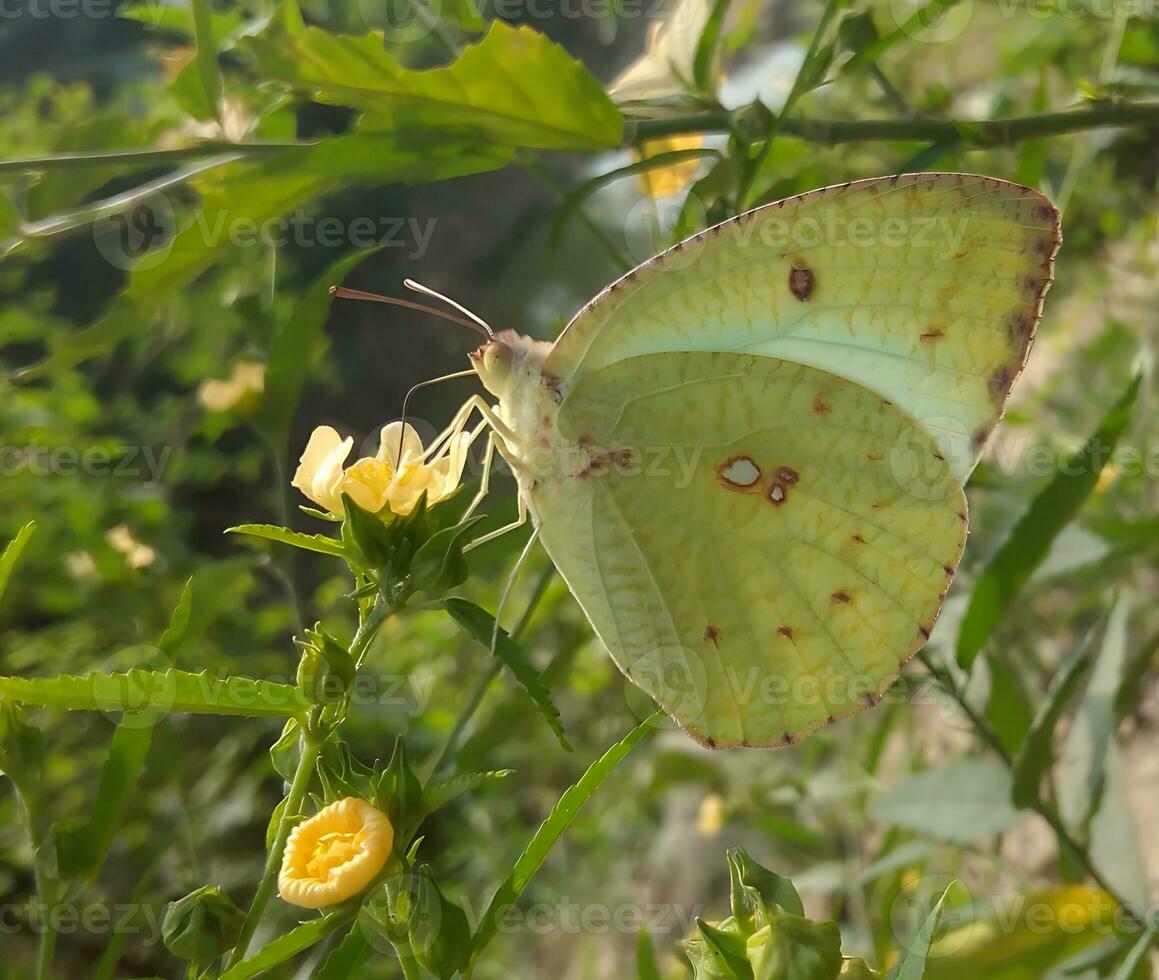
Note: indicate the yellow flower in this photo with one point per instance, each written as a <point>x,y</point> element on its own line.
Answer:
<point>239,390</point>
<point>673,179</point>
<point>335,854</point>
<point>710,817</point>
<point>394,477</point>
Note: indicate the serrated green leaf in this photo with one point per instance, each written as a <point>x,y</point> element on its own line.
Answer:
<point>287,946</point>
<point>514,87</point>
<point>438,795</point>
<point>12,553</point>
<point>552,829</point>
<point>481,625</point>
<point>347,957</point>
<point>1028,543</point>
<point>321,543</point>
<point>148,690</point>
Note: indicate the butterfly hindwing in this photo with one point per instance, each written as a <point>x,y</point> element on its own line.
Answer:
<point>760,544</point>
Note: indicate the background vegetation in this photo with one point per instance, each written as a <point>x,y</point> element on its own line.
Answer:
<point>171,345</point>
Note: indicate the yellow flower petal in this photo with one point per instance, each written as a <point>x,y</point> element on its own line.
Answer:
<point>335,854</point>
<point>319,474</point>
<point>389,442</point>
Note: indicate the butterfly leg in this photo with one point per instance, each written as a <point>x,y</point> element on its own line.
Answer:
<point>498,532</point>
<point>484,479</point>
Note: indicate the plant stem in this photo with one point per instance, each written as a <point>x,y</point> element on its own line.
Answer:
<point>1043,809</point>
<point>977,133</point>
<point>311,746</point>
<point>368,629</point>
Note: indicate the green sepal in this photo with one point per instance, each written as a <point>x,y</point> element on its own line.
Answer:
<point>439,564</point>
<point>202,926</point>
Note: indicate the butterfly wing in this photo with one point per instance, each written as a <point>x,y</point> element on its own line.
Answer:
<point>924,288</point>
<point>759,567</point>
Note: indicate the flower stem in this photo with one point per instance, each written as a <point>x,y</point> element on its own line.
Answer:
<point>972,132</point>
<point>311,746</point>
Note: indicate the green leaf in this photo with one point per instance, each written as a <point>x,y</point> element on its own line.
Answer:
<point>962,802</point>
<point>81,845</point>
<point>438,795</point>
<point>772,887</point>
<point>725,951</point>
<point>346,959</point>
<point>298,345</point>
<point>439,564</point>
<point>1137,956</point>
<point>148,690</point>
<point>1008,571</point>
<point>912,965</point>
<point>178,628</point>
<point>323,544</point>
<point>440,934</point>
<point>208,69</point>
<point>481,625</point>
<point>1037,755</point>
<point>647,967</point>
<point>552,829</point>
<point>1083,756</point>
<point>708,47</point>
<point>515,87</point>
<point>1007,708</point>
<point>12,553</point>
<point>287,946</point>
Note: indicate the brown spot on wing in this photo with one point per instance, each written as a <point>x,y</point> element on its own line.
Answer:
<point>857,539</point>
<point>801,280</point>
<point>785,631</point>
<point>841,598</point>
<point>788,475</point>
<point>712,634</point>
<point>933,333</point>
<point>999,383</point>
<point>819,405</point>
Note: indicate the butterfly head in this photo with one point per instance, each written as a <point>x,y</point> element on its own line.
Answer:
<point>508,359</point>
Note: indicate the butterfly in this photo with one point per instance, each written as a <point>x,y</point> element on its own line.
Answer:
<point>747,456</point>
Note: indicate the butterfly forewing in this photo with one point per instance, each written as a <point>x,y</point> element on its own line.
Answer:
<point>924,288</point>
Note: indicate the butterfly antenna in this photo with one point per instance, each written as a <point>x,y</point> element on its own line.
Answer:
<point>474,323</point>
<point>418,287</point>
<point>423,384</point>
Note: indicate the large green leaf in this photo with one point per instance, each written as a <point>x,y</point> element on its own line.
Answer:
<point>962,801</point>
<point>515,87</point>
<point>552,828</point>
<point>142,690</point>
<point>1029,541</point>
